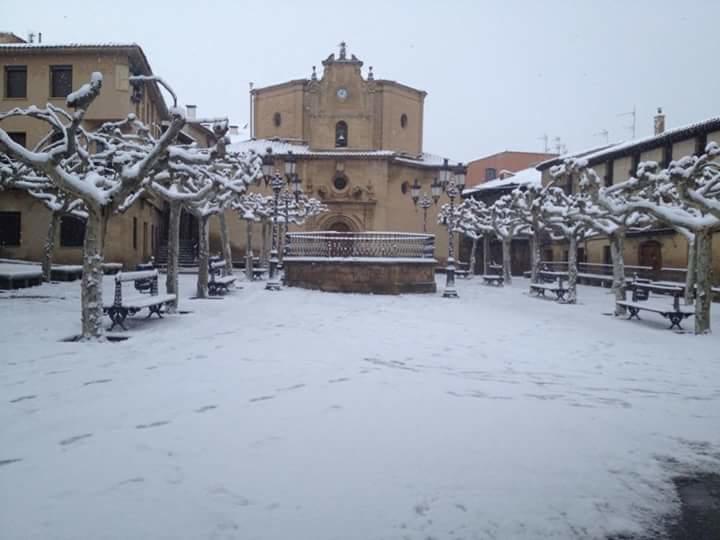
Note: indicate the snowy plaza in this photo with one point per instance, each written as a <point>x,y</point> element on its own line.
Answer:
<point>302,414</point>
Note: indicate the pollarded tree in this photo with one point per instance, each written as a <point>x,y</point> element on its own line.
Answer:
<point>528,206</point>
<point>250,207</point>
<point>507,225</point>
<point>685,196</point>
<point>475,223</point>
<point>563,215</point>
<point>102,169</point>
<point>605,213</point>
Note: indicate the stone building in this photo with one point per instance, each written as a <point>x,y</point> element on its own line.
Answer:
<point>359,146</point>
<point>38,73</point>
<point>662,249</point>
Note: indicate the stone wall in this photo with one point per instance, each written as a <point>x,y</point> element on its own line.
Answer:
<point>362,276</point>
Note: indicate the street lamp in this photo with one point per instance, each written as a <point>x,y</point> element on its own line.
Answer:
<point>424,201</point>
<point>452,181</point>
<point>276,182</point>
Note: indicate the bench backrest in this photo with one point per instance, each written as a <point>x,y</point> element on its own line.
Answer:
<point>217,265</point>
<point>141,275</point>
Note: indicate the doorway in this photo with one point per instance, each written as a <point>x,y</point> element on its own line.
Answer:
<point>650,254</point>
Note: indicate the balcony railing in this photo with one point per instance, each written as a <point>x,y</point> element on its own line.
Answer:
<point>385,245</point>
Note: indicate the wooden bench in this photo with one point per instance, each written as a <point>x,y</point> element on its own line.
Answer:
<point>219,282</point>
<point>121,307</point>
<point>258,272</point>
<point>493,280</point>
<point>556,288</point>
<point>641,302</point>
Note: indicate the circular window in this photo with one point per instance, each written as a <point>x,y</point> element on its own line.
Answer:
<point>403,120</point>
<point>340,182</point>
<point>277,119</point>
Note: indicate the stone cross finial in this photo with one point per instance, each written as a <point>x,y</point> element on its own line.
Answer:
<point>343,50</point>
<point>371,75</point>
<point>314,74</point>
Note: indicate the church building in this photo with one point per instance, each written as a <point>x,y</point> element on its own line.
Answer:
<point>358,142</point>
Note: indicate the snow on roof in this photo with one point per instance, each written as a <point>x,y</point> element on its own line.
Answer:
<point>625,148</point>
<point>299,148</point>
<point>526,177</point>
<point>99,45</point>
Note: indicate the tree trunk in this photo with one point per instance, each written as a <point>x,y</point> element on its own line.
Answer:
<point>248,251</point>
<point>473,257</point>
<point>507,260</point>
<point>173,255</point>
<point>703,270</point>
<point>225,241</point>
<point>486,254</point>
<point>92,280</point>
<point>264,246</point>
<point>50,246</point>
<point>536,256</point>
<point>691,275</point>
<point>572,271</point>
<point>281,240</point>
<point>617,255</point>
<point>203,256</point>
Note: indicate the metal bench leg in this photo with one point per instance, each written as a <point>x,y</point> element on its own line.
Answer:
<point>675,320</point>
<point>633,313</point>
<point>117,316</point>
<point>156,311</point>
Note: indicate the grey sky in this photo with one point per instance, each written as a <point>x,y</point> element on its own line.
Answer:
<point>498,74</point>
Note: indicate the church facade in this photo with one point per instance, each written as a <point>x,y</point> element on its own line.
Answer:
<point>358,142</point>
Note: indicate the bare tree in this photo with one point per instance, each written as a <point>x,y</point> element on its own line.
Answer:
<point>507,225</point>
<point>102,168</point>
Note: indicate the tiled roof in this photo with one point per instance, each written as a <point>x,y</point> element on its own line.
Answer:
<point>628,148</point>
<point>282,147</point>
<point>526,177</point>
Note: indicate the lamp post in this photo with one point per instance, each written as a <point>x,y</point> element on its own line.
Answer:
<point>424,201</point>
<point>277,183</point>
<point>452,180</point>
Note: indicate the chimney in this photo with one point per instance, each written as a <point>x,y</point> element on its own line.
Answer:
<point>659,122</point>
<point>191,111</point>
<point>39,37</point>
<point>234,130</point>
<point>31,37</point>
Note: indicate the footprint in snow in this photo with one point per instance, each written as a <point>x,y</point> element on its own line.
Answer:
<point>22,398</point>
<point>206,408</point>
<point>260,398</point>
<point>341,379</point>
<point>153,424</point>
<point>293,387</point>
<point>9,461</point>
<point>74,439</point>
<point>97,381</point>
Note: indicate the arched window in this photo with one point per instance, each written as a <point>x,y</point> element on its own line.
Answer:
<point>403,120</point>
<point>341,134</point>
<point>277,119</point>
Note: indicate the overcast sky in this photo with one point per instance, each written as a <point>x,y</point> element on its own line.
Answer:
<point>499,75</point>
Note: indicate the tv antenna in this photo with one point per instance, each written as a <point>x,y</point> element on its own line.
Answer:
<point>546,142</point>
<point>632,127</point>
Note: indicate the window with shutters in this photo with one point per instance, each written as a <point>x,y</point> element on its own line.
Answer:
<point>60,81</point>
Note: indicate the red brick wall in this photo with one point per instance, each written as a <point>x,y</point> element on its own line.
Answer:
<point>509,161</point>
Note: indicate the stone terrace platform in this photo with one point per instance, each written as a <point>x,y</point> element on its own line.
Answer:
<point>368,262</point>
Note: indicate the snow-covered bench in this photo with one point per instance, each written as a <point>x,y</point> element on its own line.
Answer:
<point>219,282</point>
<point>493,280</point>
<point>122,307</point>
<point>557,288</point>
<point>675,312</point>
<point>641,302</point>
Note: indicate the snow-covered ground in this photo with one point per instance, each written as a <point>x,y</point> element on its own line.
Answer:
<point>307,415</point>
